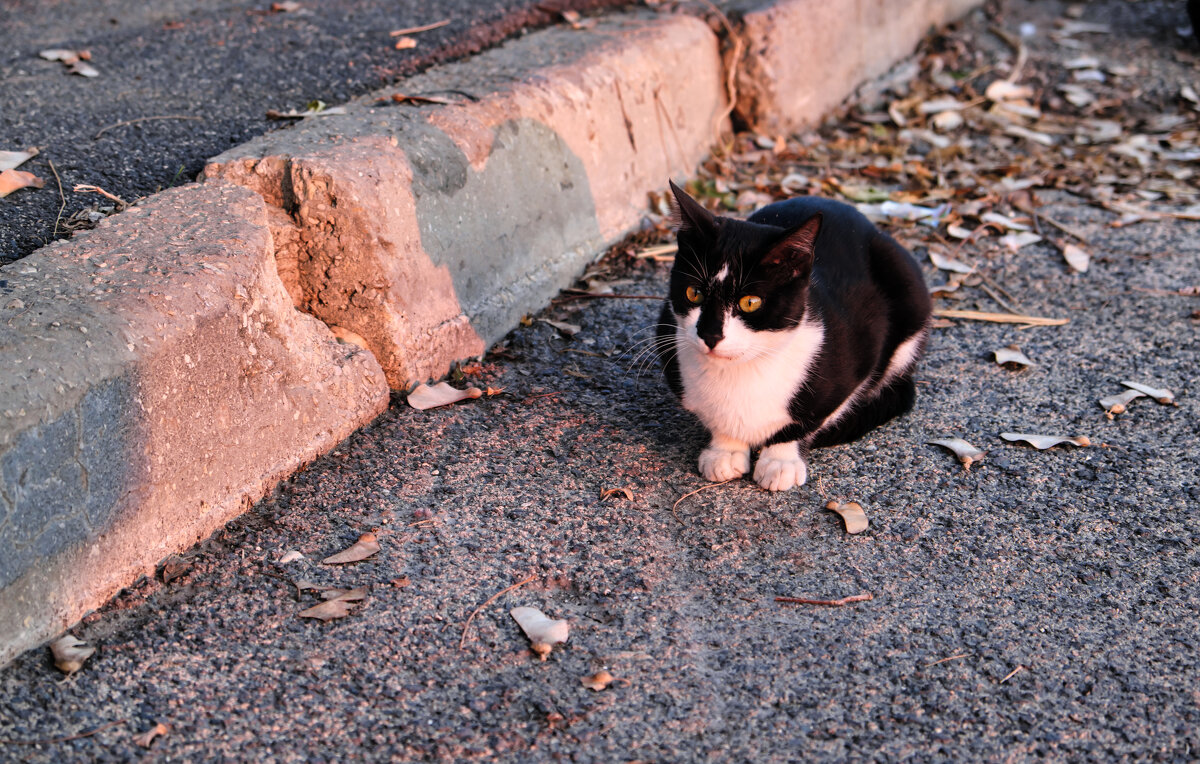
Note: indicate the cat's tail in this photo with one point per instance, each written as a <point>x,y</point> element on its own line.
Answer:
<point>892,401</point>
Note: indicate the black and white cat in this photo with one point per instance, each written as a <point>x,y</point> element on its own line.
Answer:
<point>796,328</point>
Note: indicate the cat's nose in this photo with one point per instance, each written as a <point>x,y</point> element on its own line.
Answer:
<point>711,339</point>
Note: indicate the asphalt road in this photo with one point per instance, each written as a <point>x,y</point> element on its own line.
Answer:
<point>1043,605</point>
<point>220,65</point>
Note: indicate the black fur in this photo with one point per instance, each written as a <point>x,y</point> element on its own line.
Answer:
<point>862,285</point>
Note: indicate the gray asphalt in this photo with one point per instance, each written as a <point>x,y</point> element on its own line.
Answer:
<point>220,65</point>
<point>1043,605</point>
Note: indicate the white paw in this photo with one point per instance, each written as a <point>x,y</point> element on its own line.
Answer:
<point>720,464</point>
<point>780,467</point>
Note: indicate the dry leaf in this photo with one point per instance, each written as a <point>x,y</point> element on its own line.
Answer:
<point>1042,442</point>
<point>1003,90</point>
<point>1011,354</point>
<point>327,611</point>
<point>346,595</point>
<point>967,454</point>
<point>1076,257</point>
<point>948,263</point>
<point>366,546</point>
<point>568,329</point>
<point>1161,395</point>
<point>947,121</point>
<point>442,394</point>
<point>852,514</point>
<point>60,54</point>
<point>146,738</point>
<point>1015,241</point>
<point>12,159</point>
<point>286,6</point>
<point>598,681</point>
<point>610,492</point>
<point>290,556</point>
<point>1003,221</point>
<point>405,43</point>
<point>1118,402</point>
<point>13,180</point>
<point>173,567</point>
<point>83,69</point>
<point>543,632</point>
<point>70,653</point>
<point>347,337</point>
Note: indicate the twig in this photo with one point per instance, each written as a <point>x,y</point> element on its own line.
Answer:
<point>423,28</point>
<point>1060,226</point>
<point>580,294</point>
<point>658,252</point>
<point>693,493</point>
<point>999,318</point>
<point>53,740</point>
<point>864,597</point>
<point>61,195</point>
<point>490,600</point>
<point>951,658</point>
<point>104,130</point>
<point>1010,674</point>
<point>84,188</point>
<point>992,293</point>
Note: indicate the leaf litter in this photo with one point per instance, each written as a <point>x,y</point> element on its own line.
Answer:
<point>70,653</point>
<point>366,546</point>
<point>852,514</point>
<point>543,632</point>
<point>967,454</point>
<point>1042,442</point>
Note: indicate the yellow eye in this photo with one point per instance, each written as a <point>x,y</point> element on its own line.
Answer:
<point>694,295</point>
<point>750,303</point>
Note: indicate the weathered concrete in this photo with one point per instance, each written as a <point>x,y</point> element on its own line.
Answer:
<point>155,381</point>
<point>429,230</point>
<point>803,57</point>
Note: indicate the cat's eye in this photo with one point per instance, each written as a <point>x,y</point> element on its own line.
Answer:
<point>694,295</point>
<point>750,303</point>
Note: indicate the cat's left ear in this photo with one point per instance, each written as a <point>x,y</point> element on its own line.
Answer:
<point>794,252</point>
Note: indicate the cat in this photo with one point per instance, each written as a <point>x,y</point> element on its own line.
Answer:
<point>796,328</point>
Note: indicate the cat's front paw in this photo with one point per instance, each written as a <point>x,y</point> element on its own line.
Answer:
<point>720,464</point>
<point>780,467</point>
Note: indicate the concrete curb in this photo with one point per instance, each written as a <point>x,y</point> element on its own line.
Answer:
<point>167,369</point>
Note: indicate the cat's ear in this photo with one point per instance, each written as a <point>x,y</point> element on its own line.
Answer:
<point>692,216</point>
<point>794,252</point>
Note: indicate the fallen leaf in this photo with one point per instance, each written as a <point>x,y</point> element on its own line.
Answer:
<point>1118,402</point>
<point>852,515</point>
<point>70,653</point>
<point>13,180</point>
<point>948,263</point>
<point>366,546</point>
<point>947,121</point>
<point>598,681</point>
<point>1003,90</point>
<point>346,595</point>
<point>1042,442</point>
<point>285,7</point>
<point>401,582</point>
<point>59,54</point>
<point>290,556</point>
<point>347,337</point>
<point>1003,221</point>
<point>610,492</point>
<point>442,394</point>
<point>328,610</point>
<point>12,159</point>
<point>1076,257</point>
<point>967,454</point>
<point>568,329</point>
<point>173,567</point>
<point>1014,241</point>
<point>543,632</point>
<point>1011,354</point>
<point>1162,395</point>
<point>146,738</point>
<point>83,69</point>
<point>405,43</point>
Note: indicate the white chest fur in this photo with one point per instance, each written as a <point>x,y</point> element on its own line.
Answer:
<point>745,399</point>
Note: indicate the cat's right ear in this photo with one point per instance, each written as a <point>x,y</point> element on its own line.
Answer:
<point>692,216</point>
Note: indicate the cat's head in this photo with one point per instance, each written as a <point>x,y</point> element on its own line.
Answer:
<point>737,288</point>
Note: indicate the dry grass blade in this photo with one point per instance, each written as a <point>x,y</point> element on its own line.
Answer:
<point>864,597</point>
<point>419,29</point>
<point>115,125</point>
<point>467,626</point>
<point>663,253</point>
<point>999,318</point>
<point>698,490</point>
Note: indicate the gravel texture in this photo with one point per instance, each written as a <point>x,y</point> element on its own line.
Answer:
<point>1042,605</point>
